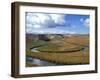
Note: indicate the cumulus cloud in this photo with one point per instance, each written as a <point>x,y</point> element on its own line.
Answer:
<point>46,23</point>
<point>86,22</point>
<point>58,18</point>
<point>50,31</point>
<point>45,20</point>
<point>81,19</point>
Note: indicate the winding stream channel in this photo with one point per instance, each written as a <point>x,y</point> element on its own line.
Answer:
<point>40,62</point>
<point>46,63</point>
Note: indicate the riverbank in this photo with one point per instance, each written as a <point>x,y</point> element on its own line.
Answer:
<point>62,58</point>
<point>72,50</point>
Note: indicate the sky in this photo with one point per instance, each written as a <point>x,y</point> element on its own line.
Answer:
<point>55,23</point>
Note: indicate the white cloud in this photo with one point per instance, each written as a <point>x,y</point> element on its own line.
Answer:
<point>44,20</point>
<point>58,18</point>
<point>86,22</point>
<point>32,18</point>
<point>37,26</point>
<point>45,23</point>
<point>81,19</point>
<point>49,31</point>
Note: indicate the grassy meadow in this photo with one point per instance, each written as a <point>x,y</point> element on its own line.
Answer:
<point>59,49</point>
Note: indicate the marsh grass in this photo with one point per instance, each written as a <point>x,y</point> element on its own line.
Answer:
<point>65,51</point>
<point>62,58</point>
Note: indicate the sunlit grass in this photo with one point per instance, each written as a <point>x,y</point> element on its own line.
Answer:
<point>65,50</point>
<point>62,58</point>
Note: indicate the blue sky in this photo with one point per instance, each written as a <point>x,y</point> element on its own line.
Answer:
<point>49,23</point>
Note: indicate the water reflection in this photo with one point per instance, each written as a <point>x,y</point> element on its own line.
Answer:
<point>39,62</point>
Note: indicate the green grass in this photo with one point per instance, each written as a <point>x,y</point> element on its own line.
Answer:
<point>60,51</point>
<point>62,58</point>
<point>33,43</point>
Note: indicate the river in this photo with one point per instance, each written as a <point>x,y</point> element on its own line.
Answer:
<point>39,62</point>
<point>46,63</point>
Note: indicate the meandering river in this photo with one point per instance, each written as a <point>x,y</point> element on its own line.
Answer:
<point>40,62</point>
<point>46,63</point>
